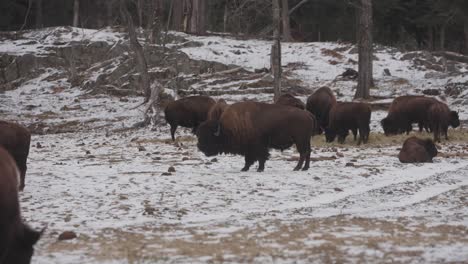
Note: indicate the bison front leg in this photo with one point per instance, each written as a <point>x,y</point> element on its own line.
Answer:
<point>173,129</point>
<point>249,161</point>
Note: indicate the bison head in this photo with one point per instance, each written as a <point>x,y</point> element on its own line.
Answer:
<point>330,135</point>
<point>430,147</point>
<point>389,126</point>
<point>210,138</point>
<point>454,119</point>
<point>21,250</point>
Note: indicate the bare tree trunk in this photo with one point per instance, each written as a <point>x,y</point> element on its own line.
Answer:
<point>169,17</point>
<point>39,14</point>
<point>276,50</point>
<point>140,8</point>
<point>27,15</point>
<point>225,16</point>
<point>198,17</point>
<point>177,14</point>
<point>76,12</point>
<point>138,50</point>
<point>109,15</point>
<point>465,29</point>
<point>156,23</point>
<point>285,19</point>
<point>365,50</point>
<point>186,14</point>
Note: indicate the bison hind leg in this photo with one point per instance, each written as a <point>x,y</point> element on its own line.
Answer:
<point>249,161</point>
<point>173,129</point>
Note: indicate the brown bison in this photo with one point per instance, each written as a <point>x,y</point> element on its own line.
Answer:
<point>440,118</point>
<point>188,112</point>
<point>16,238</point>
<point>417,150</point>
<point>290,100</point>
<point>349,116</point>
<point>406,110</point>
<point>16,140</point>
<point>319,104</point>
<point>217,109</point>
<point>251,129</point>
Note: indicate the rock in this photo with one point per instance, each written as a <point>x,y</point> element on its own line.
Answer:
<point>185,158</point>
<point>339,154</point>
<point>436,75</point>
<point>214,160</point>
<point>88,152</point>
<point>166,174</point>
<point>67,235</point>
<point>349,164</point>
<point>171,169</point>
<point>431,92</point>
<point>141,148</point>
<point>38,145</point>
<point>338,189</point>
<point>386,72</point>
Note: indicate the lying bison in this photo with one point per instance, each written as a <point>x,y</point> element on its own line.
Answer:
<point>16,140</point>
<point>251,129</point>
<point>16,238</point>
<point>217,109</point>
<point>349,116</point>
<point>319,104</point>
<point>290,100</point>
<point>406,110</point>
<point>417,150</point>
<point>440,118</point>
<point>188,112</point>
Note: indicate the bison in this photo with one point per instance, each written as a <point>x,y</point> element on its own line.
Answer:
<point>16,140</point>
<point>319,104</point>
<point>349,116</point>
<point>440,118</point>
<point>250,129</point>
<point>217,109</point>
<point>406,110</point>
<point>417,150</point>
<point>188,112</point>
<point>290,100</point>
<point>16,238</point>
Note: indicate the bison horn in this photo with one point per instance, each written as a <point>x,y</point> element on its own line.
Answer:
<point>218,131</point>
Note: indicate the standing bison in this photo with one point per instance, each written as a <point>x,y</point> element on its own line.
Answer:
<point>349,116</point>
<point>417,150</point>
<point>217,109</point>
<point>16,140</point>
<point>440,118</point>
<point>188,112</point>
<point>319,104</point>
<point>16,238</point>
<point>406,110</point>
<point>250,129</point>
<point>290,100</point>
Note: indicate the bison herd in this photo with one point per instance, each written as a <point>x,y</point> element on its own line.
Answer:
<point>249,129</point>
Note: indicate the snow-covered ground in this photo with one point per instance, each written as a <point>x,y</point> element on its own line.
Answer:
<point>110,184</point>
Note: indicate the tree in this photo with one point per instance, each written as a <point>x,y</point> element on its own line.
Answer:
<point>39,22</point>
<point>285,20</point>
<point>364,38</point>
<point>197,24</point>
<point>76,12</point>
<point>276,50</point>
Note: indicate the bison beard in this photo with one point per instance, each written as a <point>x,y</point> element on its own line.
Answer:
<point>319,104</point>
<point>417,150</point>
<point>251,129</point>
<point>16,140</point>
<point>188,112</point>
<point>16,238</point>
<point>349,116</point>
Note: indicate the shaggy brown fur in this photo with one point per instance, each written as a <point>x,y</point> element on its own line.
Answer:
<point>319,104</point>
<point>16,238</point>
<point>188,112</point>
<point>290,100</point>
<point>251,128</point>
<point>217,109</point>
<point>440,117</point>
<point>406,110</point>
<point>349,116</point>
<point>16,140</point>
<point>417,150</point>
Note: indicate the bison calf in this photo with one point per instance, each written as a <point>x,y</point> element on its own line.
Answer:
<point>290,100</point>
<point>188,112</point>
<point>16,238</point>
<point>349,116</point>
<point>16,140</point>
<point>417,150</point>
<point>251,129</point>
<point>319,104</point>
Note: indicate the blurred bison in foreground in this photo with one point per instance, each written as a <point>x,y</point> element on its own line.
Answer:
<point>319,104</point>
<point>188,112</point>
<point>16,140</point>
<point>250,129</point>
<point>417,150</point>
<point>406,110</point>
<point>290,100</point>
<point>347,116</point>
<point>217,109</point>
<point>16,238</point>
<point>440,118</point>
